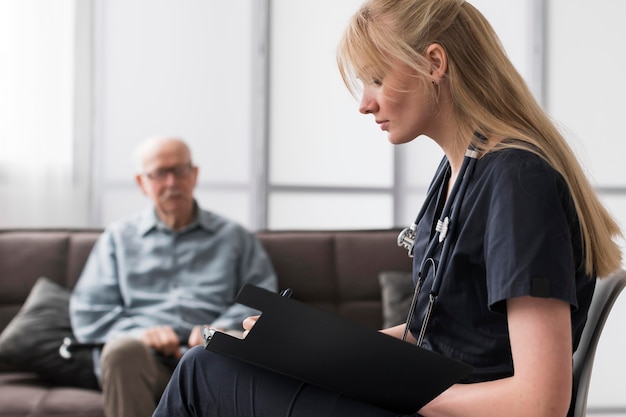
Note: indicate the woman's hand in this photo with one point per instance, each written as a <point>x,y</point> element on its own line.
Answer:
<point>398,332</point>
<point>248,323</point>
<point>195,338</point>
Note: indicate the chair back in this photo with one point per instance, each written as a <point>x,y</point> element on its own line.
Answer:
<point>606,292</point>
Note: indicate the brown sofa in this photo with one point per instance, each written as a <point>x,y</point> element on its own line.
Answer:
<point>336,271</point>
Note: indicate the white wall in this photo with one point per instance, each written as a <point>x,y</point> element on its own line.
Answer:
<point>318,139</point>
<point>174,73</point>
<point>173,67</point>
<point>42,179</point>
<point>585,91</point>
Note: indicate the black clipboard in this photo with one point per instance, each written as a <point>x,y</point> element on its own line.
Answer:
<point>300,341</point>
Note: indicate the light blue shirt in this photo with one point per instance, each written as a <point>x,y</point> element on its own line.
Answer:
<point>141,274</point>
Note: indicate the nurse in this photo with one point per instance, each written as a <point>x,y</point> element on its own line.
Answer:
<point>526,241</point>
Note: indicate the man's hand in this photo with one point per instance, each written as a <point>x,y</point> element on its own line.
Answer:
<point>162,339</point>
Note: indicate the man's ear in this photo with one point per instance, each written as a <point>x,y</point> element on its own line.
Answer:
<point>195,175</point>
<point>140,182</point>
<point>438,59</point>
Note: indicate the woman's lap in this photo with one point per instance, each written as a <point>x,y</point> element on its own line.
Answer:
<point>208,384</point>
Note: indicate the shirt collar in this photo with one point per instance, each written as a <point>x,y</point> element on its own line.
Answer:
<point>149,221</point>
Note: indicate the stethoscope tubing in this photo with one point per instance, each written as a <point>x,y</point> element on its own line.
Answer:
<point>445,227</point>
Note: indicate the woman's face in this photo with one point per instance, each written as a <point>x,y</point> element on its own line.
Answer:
<point>401,103</point>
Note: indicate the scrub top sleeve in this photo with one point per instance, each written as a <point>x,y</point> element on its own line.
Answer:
<point>528,241</point>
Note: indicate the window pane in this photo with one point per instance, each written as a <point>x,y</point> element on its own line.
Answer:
<point>329,211</point>
<point>316,134</point>
<point>590,105</point>
<point>184,70</point>
<point>36,127</point>
<point>42,181</point>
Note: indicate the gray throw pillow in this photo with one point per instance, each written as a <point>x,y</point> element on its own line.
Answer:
<point>31,341</point>
<point>396,289</point>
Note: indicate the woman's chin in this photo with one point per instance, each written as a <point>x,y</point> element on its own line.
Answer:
<point>398,140</point>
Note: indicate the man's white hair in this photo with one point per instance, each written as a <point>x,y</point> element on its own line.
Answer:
<point>151,145</point>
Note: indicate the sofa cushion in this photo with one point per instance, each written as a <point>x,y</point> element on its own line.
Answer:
<point>31,340</point>
<point>23,395</point>
<point>396,290</point>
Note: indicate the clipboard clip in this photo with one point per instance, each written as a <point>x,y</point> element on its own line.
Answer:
<point>207,335</point>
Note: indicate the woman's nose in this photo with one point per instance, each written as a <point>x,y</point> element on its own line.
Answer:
<point>367,104</point>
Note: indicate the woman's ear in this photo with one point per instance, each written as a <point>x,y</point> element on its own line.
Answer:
<point>438,59</point>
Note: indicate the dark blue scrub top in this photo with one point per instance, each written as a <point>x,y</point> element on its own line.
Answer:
<point>517,235</point>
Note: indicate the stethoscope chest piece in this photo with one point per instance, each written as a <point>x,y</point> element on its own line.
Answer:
<point>406,238</point>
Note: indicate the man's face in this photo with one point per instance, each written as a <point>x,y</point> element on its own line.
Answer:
<point>169,179</point>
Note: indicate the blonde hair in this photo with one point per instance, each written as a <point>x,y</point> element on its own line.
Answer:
<point>488,95</point>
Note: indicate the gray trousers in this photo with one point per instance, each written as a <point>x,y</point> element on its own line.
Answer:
<point>132,378</point>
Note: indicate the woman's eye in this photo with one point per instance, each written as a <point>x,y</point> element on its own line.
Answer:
<point>377,82</point>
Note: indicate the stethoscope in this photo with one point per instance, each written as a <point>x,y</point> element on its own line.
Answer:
<point>444,228</point>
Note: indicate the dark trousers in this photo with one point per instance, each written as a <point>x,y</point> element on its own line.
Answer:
<point>207,384</point>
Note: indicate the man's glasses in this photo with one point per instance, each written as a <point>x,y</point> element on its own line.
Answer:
<point>179,172</point>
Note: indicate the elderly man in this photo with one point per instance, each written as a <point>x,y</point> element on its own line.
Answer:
<point>154,278</point>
